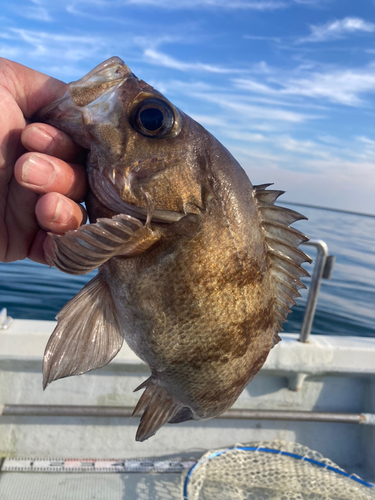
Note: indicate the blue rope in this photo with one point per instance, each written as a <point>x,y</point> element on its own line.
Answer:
<point>276,452</point>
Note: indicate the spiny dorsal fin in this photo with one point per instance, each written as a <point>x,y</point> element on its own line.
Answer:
<point>284,255</point>
<point>157,408</point>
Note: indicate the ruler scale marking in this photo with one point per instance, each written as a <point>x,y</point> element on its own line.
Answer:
<point>94,465</point>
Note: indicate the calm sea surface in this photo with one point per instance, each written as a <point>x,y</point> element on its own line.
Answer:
<point>346,303</point>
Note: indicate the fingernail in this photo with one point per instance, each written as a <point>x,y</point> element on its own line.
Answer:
<point>63,211</point>
<point>37,139</point>
<point>37,171</point>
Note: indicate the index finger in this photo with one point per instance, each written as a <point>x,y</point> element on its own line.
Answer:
<point>46,139</point>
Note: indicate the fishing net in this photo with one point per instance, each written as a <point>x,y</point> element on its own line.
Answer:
<point>273,470</point>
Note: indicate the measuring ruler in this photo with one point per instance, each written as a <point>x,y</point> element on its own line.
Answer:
<point>94,465</point>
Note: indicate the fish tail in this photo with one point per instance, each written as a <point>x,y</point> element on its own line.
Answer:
<point>158,408</point>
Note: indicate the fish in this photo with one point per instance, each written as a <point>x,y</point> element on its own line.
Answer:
<point>197,268</point>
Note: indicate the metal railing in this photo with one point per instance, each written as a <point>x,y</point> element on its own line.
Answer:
<point>322,270</point>
<point>238,414</point>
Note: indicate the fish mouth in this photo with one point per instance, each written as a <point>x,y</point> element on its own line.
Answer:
<point>66,113</point>
<point>99,81</point>
<point>107,194</point>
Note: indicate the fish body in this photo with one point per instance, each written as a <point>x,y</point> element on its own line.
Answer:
<point>197,267</point>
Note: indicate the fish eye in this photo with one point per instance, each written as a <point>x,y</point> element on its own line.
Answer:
<point>153,117</point>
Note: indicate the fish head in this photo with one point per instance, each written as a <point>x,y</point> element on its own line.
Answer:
<point>139,143</point>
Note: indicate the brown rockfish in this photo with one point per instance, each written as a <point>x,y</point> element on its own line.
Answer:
<point>197,267</point>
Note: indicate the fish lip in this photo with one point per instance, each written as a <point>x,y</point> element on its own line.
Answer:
<point>106,71</point>
<point>110,71</point>
<point>100,80</point>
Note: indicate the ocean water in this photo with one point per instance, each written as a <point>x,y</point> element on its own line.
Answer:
<point>346,304</point>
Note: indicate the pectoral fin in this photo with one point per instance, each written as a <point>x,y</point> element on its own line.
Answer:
<point>87,335</point>
<point>83,250</point>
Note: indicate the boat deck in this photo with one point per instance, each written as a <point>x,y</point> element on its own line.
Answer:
<point>328,374</point>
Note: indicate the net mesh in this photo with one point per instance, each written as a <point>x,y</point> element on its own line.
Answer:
<point>273,470</point>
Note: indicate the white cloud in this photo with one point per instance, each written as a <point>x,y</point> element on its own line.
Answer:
<point>250,5</point>
<point>326,178</point>
<point>326,171</point>
<point>231,4</point>
<point>309,148</point>
<point>263,38</point>
<point>316,183</point>
<point>339,86</point>
<point>366,140</point>
<point>245,136</point>
<point>330,140</point>
<point>209,120</point>
<point>263,158</point>
<point>167,61</point>
<point>338,29</point>
<point>89,14</point>
<point>314,3</point>
<point>36,13</point>
<point>9,51</point>
<point>250,113</point>
<point>343,86</point>
<point>49,47</point>
<point>257,87</point>
<point>39,11</point>
<point>36,37</point>
<point>285,144</point>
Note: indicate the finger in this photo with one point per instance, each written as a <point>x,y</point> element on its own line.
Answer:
<point>45,174</point>
<point>59,214</point>
<point>51,141</point>
<point>20,221</point>
<point>36,251</point>
<point>30,89</point>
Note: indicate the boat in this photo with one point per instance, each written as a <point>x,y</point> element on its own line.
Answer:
<point>314,390</point>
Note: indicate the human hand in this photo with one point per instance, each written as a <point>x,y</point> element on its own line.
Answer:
<point>39,189</point>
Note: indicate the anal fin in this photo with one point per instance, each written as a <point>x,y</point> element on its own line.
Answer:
<point>158,408</point>
<point>87,335</point>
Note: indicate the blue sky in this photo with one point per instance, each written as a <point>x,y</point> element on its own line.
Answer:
<point>288,86</point>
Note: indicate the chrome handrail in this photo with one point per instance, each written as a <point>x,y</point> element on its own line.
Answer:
<point>234,413</point>
<point>323,269</point>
